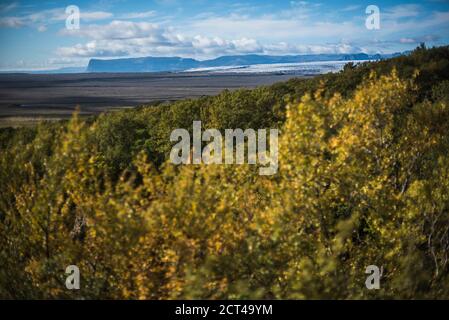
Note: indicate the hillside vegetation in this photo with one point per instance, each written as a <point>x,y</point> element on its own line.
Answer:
<point>363,180</point>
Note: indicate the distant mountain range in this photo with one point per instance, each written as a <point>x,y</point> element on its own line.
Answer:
<point>173,64</point>
<point>48,71</point>
<point>177,64</point>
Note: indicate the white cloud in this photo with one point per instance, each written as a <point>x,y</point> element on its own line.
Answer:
<point>351,8</point>
<point>428,38</point>
<point>125,38</point>
<point>269,28</point>
<point>138,15</point>
<point>8,7</point>
<point>438,19</point>
<point>117,29</point>
<point>93,49</point>
<point>441,17</point>
<point>401,11</point>
<point>407,40</point>
<point>11,22</point>
<point>94,15</point>
<point>43,18</point>
<point>193,47</point>
<point>61,15</point>
<point>277,33</point>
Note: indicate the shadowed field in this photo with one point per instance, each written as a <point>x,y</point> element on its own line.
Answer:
<point>26,98</point>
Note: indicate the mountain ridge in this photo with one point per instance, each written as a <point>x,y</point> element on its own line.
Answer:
<point>178,64</point>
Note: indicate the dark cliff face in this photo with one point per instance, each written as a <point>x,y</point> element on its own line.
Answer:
<point>167,64</point>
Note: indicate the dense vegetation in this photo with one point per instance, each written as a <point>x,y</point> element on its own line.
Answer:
<point>363,180</point>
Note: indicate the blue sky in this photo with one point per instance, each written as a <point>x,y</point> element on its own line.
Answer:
<point>33,34</point>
